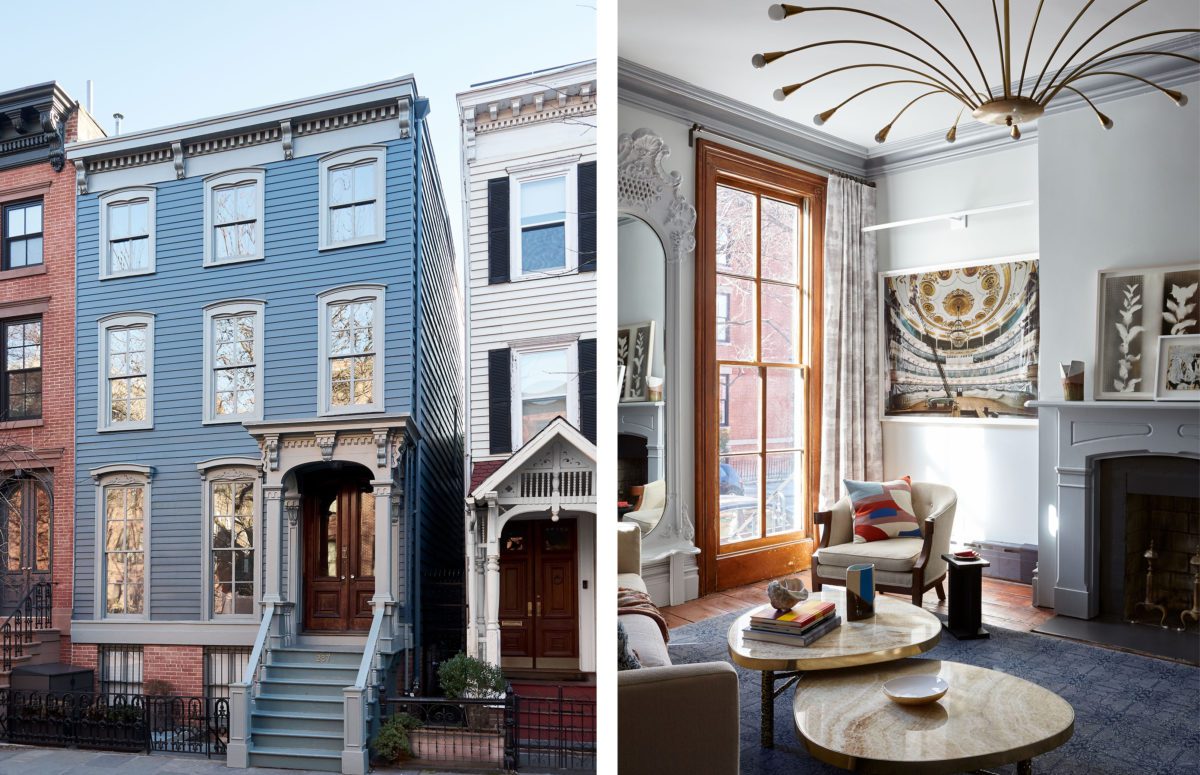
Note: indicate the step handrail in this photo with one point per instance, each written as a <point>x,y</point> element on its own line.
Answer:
<point>260,642</point>
<point>364,667</point>
<point>34,612</point>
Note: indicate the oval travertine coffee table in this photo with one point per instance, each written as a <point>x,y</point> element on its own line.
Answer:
<point>898,629</point>
<point>986,719</point>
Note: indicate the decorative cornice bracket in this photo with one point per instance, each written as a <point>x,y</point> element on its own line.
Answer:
<point>405,117</point>
<point>285,138</point>
<point>80,177</point>
<point>177,158</point>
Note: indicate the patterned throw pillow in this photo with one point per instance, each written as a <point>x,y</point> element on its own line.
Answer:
<point>626,657</point>
<point>882,510</point>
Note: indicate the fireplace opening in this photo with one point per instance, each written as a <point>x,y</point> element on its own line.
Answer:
<point>632,464</point>
<point>1149,534</point>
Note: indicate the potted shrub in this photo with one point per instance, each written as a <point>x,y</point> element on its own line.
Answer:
<point>482,741</point>
<point>464,677</point>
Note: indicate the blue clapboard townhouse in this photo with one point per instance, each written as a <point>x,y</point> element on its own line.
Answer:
<point>268,470</point>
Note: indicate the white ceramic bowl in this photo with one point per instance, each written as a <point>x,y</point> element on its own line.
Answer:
<point>915,689</point>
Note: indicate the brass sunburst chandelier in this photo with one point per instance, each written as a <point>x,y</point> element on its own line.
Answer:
<point>1001,107</point>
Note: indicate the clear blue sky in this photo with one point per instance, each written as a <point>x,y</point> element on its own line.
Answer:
<point>161,63</point>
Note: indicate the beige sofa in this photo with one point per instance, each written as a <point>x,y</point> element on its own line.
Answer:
<point>671,718</point>
<point>907,565</point>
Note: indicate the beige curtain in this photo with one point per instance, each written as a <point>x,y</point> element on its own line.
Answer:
<point>852,386</point>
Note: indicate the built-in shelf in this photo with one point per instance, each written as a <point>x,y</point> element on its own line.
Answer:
<point>642,403</point>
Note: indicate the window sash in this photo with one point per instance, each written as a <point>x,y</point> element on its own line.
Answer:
<point>128,387</point>
<point>234,381</point>
<point>124,544</point>
<point>232,550</point>
<point>27,237</point>
<point>28,371</point>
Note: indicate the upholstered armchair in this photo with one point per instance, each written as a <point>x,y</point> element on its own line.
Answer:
<point>650,506</point>
<point>907,565</point>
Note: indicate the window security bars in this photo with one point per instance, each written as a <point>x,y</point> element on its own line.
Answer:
<point>120,669</point>
<point>116,722</point>
<point>223,665</point>
<point>554,732</point>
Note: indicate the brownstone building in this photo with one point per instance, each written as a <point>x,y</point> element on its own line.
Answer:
<point>37,319</point>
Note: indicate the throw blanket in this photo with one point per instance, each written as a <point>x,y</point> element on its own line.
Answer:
<point>631,601</point>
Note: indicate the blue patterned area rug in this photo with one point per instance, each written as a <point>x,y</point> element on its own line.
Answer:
<point>1133,714</point>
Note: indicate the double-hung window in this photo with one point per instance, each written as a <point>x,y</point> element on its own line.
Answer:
<point>546,386</point>
<point>543,237</point>
<point>351,349</point>
<point>233,215</point>
<point>352,197</point>
<point>123,503</point>
<point>126,400</point>
<point>22,386</point>
<point>127,232</point>
<point>231,498</point>
<point>21,234</point>
<point>233,352</point>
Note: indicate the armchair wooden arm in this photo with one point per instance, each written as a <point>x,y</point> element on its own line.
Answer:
<point>824,519</point>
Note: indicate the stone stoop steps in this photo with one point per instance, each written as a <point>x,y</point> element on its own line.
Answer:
<point>42,650</point>
<point>297,721</point>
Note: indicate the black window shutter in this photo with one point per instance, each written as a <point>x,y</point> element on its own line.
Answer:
<point>585,178</point>
<point>498,230</point>
<point>500,400</point>
<point>587,388</point>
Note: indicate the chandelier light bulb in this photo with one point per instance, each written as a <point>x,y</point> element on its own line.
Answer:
<point>1015,132</point>
<point>758,61</point>
<point>779,12</point>
<point>821,118</point>
<point>1105,121</point>
<point>881,135</point>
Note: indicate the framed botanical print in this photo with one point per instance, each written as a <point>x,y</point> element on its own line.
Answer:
<point>1134,308</point>
<point>635,348</point>
<point>1178,368</point>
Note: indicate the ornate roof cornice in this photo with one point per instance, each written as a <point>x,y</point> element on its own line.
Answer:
<point>33,125</point>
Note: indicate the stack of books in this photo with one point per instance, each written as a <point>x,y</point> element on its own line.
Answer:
<point>800,626</point>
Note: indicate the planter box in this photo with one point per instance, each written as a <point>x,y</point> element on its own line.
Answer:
<point>460,746</point>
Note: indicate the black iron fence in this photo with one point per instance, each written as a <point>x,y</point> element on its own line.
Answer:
<point>512,733</point>
<point>33,613</point>
<point>116,722</point>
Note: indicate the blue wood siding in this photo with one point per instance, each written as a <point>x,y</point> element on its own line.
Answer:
<point>288,280</point>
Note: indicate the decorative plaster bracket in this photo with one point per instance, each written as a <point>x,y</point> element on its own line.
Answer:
<point>291,507</point>
<point>538,101</point>
<point>177,153</point>
<point>397,504</point>
<point>285,137</point>
<point>381,447</point>
<point>80,177</point>
<point>326,442</point>
<point>405,106</point>
<point>270,452</point>
<point>516,107</point>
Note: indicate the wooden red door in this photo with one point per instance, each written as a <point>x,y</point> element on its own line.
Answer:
<point>539,603</point>
<point>339,557</point>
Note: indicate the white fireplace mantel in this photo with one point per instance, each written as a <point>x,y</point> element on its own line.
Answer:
<point>1075,436</point>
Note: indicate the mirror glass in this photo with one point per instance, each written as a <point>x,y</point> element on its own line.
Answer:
<point>641,316</point>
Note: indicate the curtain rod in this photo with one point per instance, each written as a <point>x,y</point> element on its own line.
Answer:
<point>701,128</point>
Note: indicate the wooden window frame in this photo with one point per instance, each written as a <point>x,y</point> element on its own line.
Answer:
<point>4,386</point>
<point>6,239</point>
<point>717,164</point>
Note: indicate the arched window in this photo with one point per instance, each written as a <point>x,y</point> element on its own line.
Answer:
<point>26,502</point>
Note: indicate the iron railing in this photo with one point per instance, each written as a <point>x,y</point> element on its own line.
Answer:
<point>33,613</point>
<point>512,733</point>
<point>116,722</point>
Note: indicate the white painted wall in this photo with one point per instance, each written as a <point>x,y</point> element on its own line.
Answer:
<point>1127,197</point>
<point>992,467</point>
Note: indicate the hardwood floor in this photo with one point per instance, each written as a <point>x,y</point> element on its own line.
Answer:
<point>1006,604</point>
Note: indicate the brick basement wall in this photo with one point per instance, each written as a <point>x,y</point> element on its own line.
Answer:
<point>81,655</point>
<point>180,666</point>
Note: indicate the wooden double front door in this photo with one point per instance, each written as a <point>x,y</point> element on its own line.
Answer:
<point>338,547</point>
<point>539,604</point>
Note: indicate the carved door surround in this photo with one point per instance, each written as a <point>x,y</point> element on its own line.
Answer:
<point>380,443</point>
<point>647,191</point>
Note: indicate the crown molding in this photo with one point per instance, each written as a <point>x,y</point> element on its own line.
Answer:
<point>667,95</point>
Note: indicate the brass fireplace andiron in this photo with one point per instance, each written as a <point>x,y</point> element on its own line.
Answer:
<point>1194,611</point>
<point>1149,603</point>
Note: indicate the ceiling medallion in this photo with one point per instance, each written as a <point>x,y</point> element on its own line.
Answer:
<point>1001,107</point>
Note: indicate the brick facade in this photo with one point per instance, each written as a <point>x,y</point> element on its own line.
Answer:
<point>180,666</point>
<point>48,290</point>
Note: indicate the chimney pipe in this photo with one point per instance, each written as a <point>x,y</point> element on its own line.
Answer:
<point>118,117</point>
<point>90,94</point>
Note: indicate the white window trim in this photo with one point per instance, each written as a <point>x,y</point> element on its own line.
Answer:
<point>376,153</point>
<point>571,222</point>
<point>363,292</point>
<point>224,309</point>
<point>104,422</point>
<point>120,475</point>
<point>572,349</point>
<point>121,196</point>
<point>229,469</point>
<point>233,178</point>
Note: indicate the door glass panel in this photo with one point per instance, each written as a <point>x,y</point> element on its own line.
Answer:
<point>556,538</point>
<point>736,232</point>
<point>15,497</point>
<point>366,534</point>
<point>41,560</point>
<point>328,531</point>
<point>736,319</point>
<point>739,499</point>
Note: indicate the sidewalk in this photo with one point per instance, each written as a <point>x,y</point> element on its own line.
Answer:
<point>25,760</point>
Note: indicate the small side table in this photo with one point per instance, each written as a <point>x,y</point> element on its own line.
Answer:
<point>966,597</point>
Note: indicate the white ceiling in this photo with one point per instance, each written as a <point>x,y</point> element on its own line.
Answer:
<point>709,43</point>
